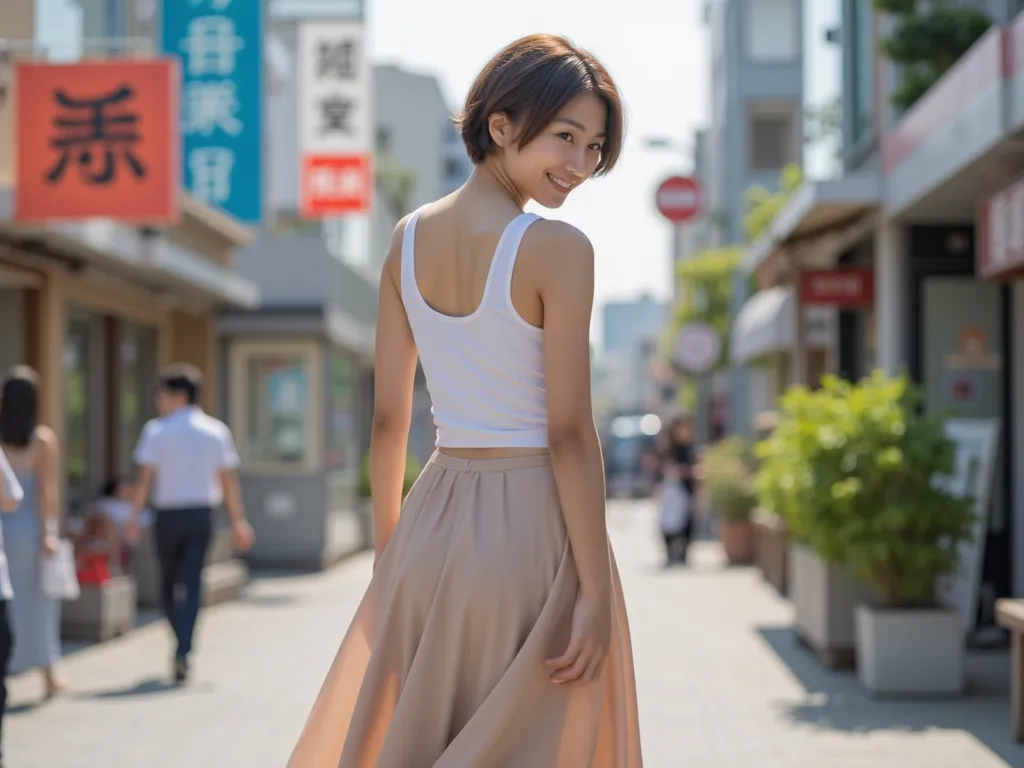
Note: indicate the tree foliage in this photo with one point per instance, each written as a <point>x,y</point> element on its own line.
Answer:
<point>927,42</point>
<point>396,183</point>
<point>764,205</point>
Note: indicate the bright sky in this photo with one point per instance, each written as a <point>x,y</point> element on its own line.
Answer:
<point>658,53</point>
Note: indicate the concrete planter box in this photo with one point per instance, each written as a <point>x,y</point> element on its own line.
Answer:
<point>771,549</point>
<point>912,652</point>
<point>102,611</point>
<point>824,600</point>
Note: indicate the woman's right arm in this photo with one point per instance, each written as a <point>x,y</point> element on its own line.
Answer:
<point>11,492</point>
<point>568,297</point>
<point>48,469</point>
<point>394,365</point>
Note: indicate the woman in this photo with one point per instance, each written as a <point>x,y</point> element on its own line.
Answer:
<point>493,632</point>
<point>31,532</point>
<point>678,484</point>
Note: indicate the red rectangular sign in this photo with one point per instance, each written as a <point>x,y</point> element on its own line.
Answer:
<point>98,139</point>
<point>1001,233</point>
<point>844,288</point>
<point>335,185</point>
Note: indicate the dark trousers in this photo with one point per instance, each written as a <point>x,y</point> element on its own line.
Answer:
<point>676,544</point>
<point>6,644</point>
<point>182,538</point>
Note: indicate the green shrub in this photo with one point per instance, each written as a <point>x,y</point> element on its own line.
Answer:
<point>850,468</point>
<point>728,481</point>
<point>413,467</point>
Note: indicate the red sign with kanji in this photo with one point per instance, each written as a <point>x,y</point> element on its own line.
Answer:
<point>1001,233</point>
<point>335,185</point>
<point>843,288</point>
<point>98,139</point>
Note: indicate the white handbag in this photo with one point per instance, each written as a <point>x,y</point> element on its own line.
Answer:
<point>58,576</point>
<point>674,512</point>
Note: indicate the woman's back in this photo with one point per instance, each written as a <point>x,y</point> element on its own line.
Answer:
<point>475,317</point>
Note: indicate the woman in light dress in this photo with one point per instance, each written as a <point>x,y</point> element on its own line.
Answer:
<point>493,633</point>
<point>31,532</point>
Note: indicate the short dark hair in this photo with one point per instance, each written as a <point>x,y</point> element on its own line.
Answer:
<point>530,81</point>
<point>19,406</point>
<point>182,378</point>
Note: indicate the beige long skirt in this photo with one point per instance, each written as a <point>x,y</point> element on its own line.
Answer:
<point>443,664</point>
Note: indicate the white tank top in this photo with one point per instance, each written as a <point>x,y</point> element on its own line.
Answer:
<point>484,371</point>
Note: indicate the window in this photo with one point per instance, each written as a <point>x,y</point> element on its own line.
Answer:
<point>772,140</point>
<point>383,139</point>
<point>342,421</point>
<point>862,66</point>
<point>77,396</point>
<point>772,30</point>
<point>136,383</point>
<point>275,391</point>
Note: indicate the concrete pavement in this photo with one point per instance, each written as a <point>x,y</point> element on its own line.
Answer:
<point>722,684</point>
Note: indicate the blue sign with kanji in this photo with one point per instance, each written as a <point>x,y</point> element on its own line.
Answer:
<point>220,45</point>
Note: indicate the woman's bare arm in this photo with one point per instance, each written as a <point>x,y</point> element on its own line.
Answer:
<point>11,492</point>
<point>48,469</point>
<point>567,292</point>
<point>394,375</point>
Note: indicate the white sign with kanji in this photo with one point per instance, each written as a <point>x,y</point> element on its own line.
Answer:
<point>335,110</point>
<point>335,120</point>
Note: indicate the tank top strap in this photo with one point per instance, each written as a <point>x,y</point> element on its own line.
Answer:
<point>500,284</point>
<point>410,291</point>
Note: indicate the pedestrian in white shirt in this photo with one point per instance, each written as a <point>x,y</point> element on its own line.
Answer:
<point>187,467</point>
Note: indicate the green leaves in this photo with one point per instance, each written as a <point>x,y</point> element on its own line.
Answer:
<point>728,479</point>
<point>764,205</point>
<point>925,44</point>
<point>850,468</point>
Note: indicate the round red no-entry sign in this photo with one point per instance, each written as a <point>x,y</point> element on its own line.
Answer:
<point>679,198</point>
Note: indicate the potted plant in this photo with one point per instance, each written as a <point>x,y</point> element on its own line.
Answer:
<point>858,476</point>
<point>791,461</point>
<point>728,485</point>
<point>902,532</point>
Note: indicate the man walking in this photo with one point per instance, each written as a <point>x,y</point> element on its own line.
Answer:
<point>187,467</point>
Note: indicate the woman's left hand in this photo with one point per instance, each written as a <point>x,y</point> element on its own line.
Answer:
<point>50,543</point>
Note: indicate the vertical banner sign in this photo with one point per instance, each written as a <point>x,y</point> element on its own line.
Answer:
<point>220,43</point>
<point>335,120</point>
<point>98,139</point>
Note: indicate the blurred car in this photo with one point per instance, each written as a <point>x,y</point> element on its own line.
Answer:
<point>629,454</point>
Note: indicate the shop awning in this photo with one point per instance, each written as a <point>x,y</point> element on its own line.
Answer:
<point>146,257</point>
<point>817,211</point>
<point>765,325</point>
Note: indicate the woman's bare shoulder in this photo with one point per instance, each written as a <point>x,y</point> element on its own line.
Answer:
<point>558,249</point>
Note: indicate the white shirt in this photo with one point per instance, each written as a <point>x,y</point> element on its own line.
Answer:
<point>187,451</point>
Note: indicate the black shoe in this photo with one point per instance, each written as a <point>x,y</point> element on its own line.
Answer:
<point>180,672</point>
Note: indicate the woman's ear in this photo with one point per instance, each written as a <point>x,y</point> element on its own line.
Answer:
<point>500,129</point>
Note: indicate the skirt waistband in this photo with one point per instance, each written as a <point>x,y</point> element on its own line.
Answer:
<point>506,464</point>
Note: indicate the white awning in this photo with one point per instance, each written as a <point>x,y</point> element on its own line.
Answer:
<point>765,325</point>
<point>816,209</point>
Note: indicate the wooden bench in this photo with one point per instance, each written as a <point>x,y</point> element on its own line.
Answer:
<point>1010,615</point>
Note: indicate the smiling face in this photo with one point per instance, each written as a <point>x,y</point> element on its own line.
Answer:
<point>561,157</point>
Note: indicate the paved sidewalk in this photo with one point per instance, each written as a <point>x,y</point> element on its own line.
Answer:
<point>722,684</point>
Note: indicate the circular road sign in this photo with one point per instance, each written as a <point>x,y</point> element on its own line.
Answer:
<point>679,198</point>
<point>697,348</point>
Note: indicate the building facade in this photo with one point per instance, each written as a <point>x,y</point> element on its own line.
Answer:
<point>98,305</point>
<point>928,208</point>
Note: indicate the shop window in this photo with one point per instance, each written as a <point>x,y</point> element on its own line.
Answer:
<point>136,384</point>
<point>77,394</point>
<point>343,415</point>
<point>275,396</point>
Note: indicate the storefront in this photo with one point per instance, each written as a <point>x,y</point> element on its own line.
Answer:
<point>809,269</point>
<point>299,396</point>
<point>97,308</point>
<point>946,305</point>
